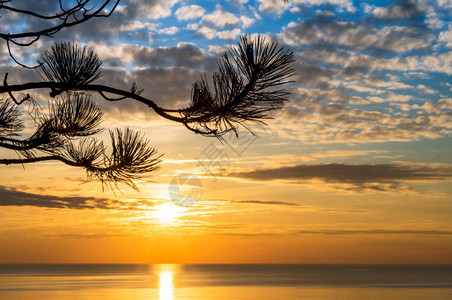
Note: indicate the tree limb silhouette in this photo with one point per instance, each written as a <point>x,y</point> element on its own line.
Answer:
<point>247,87</point>
<point>79,13</point>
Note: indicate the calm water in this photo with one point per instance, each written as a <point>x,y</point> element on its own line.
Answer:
<point>170,282</point>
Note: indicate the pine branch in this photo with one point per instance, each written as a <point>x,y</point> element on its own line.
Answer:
<point>67,19</point>
<point>246,88</point>
<point>69,64</point>
<point>10,124</point>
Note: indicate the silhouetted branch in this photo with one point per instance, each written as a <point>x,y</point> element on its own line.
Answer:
<point>75,116</point>
<point>55,137</point>
<point>69,64</point>
<point>75,15</point>
<point>25,98</point>
<point>39,16</point>
<point>131,156</point>
<point>10,124</point>
<point>68,18</point>
<point>246,88</point>
<point>69,117</point>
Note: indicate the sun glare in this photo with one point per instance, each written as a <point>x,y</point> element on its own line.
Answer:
<point>166,286</point>
<point>167,212</point>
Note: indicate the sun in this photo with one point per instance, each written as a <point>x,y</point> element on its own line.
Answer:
<point>167,212</point>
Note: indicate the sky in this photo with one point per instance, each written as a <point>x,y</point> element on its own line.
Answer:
<point>355,168</point>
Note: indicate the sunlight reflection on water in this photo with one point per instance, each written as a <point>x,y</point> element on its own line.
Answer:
<point>166,284</point>
<point>241,282</point>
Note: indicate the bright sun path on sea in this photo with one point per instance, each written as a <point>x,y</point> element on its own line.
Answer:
<point>166,286</point>
<point>167,212</point>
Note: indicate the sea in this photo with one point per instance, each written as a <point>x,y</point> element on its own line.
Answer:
<point>224,281</point>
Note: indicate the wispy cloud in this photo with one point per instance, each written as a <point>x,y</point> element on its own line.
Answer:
<point>376,232</point>
<point>403,9</point>
<point>383,177</point>
<point>372,232</point>
<point>189,12</point>
<point>81,236</point>
<point>221,18</point>
<point>14,197</point>
<point>348,66</point>
<point>264,202</point>
<point>278,7</point>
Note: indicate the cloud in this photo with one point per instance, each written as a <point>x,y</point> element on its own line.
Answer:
<point>345,68</point>
<point>210,33</point>
<point>340,153</point>
<point>446,37</point>
<point>189,12</point>
<point>327,117</point>
<point>446,4</point>
<point>165,73</point>
<point>376,232</point>
<point>167,86</point>
<point>14,197</point>
<point>81,236</point>
<point>154,9</point>
<point>182,55</point>
<point>238,2</point>
<point>272,6</point>
<point>352,36</point>
<point>404,9</point>
<point>223,24</point>
<point>246,21</point>
<point>383,177</point>
<point>136,25</point>
<point>352,75</point>
<point>278,7</point>
<point>221,18</point>
<point>441,63</point>
<point>425,89</point>
<point>265,202</point>
<point>169,30</point>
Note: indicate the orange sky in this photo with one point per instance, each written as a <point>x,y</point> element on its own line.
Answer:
<point>235,221</point>
<point>355,168</point>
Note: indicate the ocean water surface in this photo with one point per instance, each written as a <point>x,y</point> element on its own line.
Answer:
<point>224,281</point>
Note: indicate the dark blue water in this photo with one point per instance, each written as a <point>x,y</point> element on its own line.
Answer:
<point>223,281</point>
